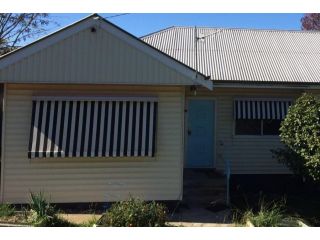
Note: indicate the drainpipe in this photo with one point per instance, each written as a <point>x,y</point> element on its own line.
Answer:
<point>3,94</point>
<point>227,171</point>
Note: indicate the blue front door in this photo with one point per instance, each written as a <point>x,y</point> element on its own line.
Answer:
<point>200,131</point>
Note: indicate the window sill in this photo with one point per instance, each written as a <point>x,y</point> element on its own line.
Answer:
<point>256,137</point>
<point>92,159</point>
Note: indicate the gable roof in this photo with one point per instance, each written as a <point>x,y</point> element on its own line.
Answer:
<point>246,55</point>
<point>95,20</point>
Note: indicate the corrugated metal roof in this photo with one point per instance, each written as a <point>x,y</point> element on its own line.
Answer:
<point>244,54</point>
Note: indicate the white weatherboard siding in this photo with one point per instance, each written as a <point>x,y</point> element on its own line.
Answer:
<point>93,179</point>
<point>94,58</point>
<point>246,154</point>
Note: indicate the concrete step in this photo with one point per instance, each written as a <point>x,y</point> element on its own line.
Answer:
<point>204,201</point>
<point>203,186</point>
<point>202,175</point>
<point>204,189</point>
<point>187,196</point>
<point>193,194</point>
<point>203,193</point>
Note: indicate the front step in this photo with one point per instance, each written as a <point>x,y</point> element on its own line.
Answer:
<point>220,183</point>
<point>203,186</point>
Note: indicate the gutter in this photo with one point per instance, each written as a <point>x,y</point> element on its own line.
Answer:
<point>267,86</point>
<point>206,83</point>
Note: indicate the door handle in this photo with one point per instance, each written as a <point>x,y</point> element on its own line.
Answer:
<point>189,132</point>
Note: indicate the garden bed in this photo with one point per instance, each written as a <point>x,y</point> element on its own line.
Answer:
<point>17,218</point>
<point>286,222</point>
<point>130,213</point>
<point>300,209</point>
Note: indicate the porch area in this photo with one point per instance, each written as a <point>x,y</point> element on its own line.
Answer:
<point>204,199</point>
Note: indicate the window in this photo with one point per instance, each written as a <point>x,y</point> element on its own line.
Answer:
<point>271,127</point>
<point>257,127</point>
<point>93,128</point>
<point>259,117</point>
<point>248,127</point>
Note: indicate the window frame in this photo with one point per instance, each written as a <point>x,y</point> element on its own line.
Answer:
<point>255,98</point>
<point>89,98</point>
<point>252,135</point>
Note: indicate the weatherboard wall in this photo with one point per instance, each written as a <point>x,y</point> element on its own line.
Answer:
<point>246,154</point>
<point>93,179</point>
<point>92,57</point>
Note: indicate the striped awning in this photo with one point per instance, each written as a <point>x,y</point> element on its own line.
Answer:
<point>261,109</point>
<point>93,128</point>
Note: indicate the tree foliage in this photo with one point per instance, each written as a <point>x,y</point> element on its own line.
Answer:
<point>300,132</point>
<point>18,27</point>
<point>311,21</point>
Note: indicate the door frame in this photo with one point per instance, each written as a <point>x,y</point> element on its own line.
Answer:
<point>214,99</point>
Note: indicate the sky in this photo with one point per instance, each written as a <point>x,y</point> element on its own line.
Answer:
<point>145,23</point>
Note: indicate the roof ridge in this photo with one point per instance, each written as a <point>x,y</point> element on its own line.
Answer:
<point>233,28</point>
<point>158,31</point>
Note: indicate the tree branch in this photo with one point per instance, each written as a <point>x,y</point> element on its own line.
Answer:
<point>22,31</point>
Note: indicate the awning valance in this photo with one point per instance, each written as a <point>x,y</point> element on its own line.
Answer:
<point>261,109</point>
<point>95,128</point>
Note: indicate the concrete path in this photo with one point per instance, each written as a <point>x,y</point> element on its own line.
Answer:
<point>192,217</point>
<point>201,217</point>
<point>192,224</point>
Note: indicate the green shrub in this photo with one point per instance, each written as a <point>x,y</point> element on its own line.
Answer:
<point>52,221</point>
<point>40,206</point>
<point>267,215</point>
<point>43,214</point>
<point>134,213</point>
<point>6,210</point>
<point>300,132</point>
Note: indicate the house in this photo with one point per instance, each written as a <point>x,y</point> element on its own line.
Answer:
<point>91,113</point>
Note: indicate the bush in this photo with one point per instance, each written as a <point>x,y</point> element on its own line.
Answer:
<point>52,221</point>
<point>268,214</point>
<point>43,214</point>
<point>6,210</point>
<point>40,206</point>
<point>134,213</point>
<point>300,132</point>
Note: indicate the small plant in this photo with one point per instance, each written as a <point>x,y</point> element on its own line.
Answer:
<point>43,214</point>
<point>6,210</point>
<point>90,223</point>
<point>134,213</point>
<point>54,221</point>
<point>268,214</point>
<point>92,208</point>
<point>40,206</point>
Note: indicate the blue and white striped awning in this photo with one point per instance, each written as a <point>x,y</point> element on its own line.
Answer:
<point>261,109</point>
<point>93,128</point>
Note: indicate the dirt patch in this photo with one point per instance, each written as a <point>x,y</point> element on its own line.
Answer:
<point>79,218</point>
<point>17,218</point>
